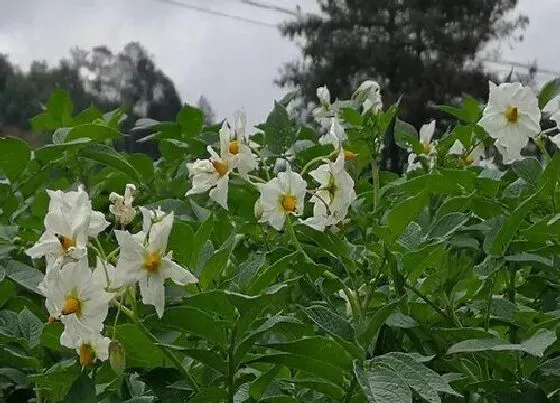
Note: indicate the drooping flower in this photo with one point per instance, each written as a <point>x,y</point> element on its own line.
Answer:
<point>121,206</point>
<point>325,111</point>
<point>68,224</point>
<point>90,346</point>
<point>72,295</point>
<point>213,174</point>
<point>240,146</point>
<point>281,196</point>
<point>457,148</point>
<point>369,94</point>
<point>144,259</point>
<point>512,117</point>
<point>333,197</point>
<point>426,134</point>
<point>335,136</point>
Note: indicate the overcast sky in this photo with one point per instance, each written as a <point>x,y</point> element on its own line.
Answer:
<point>232,63</point>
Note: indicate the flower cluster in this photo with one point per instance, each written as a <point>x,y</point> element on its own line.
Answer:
<point>80,297</point>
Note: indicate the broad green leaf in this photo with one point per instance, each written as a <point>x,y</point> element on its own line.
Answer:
<point>279,134</point>
<point>536,345</point>
<point>139,349</point>
<point>57,113</point>
<point>191,121</point>
<point>381,385</point>
<point>397,319</point>
<point>269,273</point>
<point>82,390</point>
<point>259,385</point>
<point>321,385</point>
<point>549,91</point>
<point>318,348</point>
<point>528,169</point>
<point>30,327</point>
<point>57,380</point>
<point>375,322</point>
<point>24,275</point>
<point>403,213</point>
<point>331,322</point>
<point>551,367</point>
<point>15,154</point>
<point>195,321</point>
<point>207,357</point>
<point>216,264</point>
<point>488,266</point>
<point>96,132</point>
<point>209,395</point>
<point>50,152</point>
<point>108,156</point>
<point>507,231</point>
<point>447,225</point>
<point>423,380</point>
<point>180,241</point>
<point>200,237</point>
<point>406,136</point>
<point>302,363</point>
<point>249,269</point>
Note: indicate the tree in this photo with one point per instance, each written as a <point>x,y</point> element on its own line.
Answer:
<point>422,50</point>
<point>209,116</point>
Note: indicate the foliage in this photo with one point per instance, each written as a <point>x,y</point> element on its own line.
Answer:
<point>441,285</point>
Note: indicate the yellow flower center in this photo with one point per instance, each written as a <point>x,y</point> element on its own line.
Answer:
<point>289,202</point>
<point>511,114</point>
<point>65,242</point>
<point>427,148</point>
<point>220,167</point>
<point>152,262</point>
<point>468,160</point>
<point>234,147</point>
<point>71,305</point>
<point>87,355</point>
<point>349,155</point>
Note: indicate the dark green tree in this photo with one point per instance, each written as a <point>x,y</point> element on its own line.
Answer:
<point>422,50</point>
<point>209,116</point>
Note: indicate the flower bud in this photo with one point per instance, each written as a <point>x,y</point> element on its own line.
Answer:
<point>117,357</point>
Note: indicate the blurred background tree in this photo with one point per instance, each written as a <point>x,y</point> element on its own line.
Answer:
<point>422,50</point>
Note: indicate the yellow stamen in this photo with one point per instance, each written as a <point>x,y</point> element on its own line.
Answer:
<point>289,202</point>
<point>71,305</point>
<point>65,242</point>
<point>52,319</point>
<point>468,160</point>
<point>220,167</point>
<point>427,149</point>
<point>349,155</point>
<point>87,355</point>
<point>234,147</point>
<point>152,262</point>
<point>511,114</point>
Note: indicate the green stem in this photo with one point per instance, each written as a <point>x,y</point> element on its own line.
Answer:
<point>512,274</point>
<point>350,391</point>
<point>375,178</point>
<point>311,163</point>
<point>540,144</point>
<point>169,354</point>
<point>292,234</point>
<point>231,366</point>
<point>424,298</point>
<point>489,306</point>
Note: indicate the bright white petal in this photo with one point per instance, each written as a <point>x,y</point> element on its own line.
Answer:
<point>153,292</point>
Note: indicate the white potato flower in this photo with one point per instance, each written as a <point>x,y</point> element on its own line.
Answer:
<point>68,224</point>
<point>71,294</point>
<point>325,111</point>
<point>412,164</point>
<point>457,148</point>
<point>281,196</point>
<point>121,206</point>
<point>144,259</point>
<point>333,197</point>
<point>335,136</point>
<point>90,346</point>
<point>512,116</point>
<point>368,93</point>
<point>213,174</point>
<point>426,134</point>
<point>552,109</point>
<point>239,146</point>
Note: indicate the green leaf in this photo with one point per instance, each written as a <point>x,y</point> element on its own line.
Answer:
<point>329,321</point>
<point>507,231</point>
<point>52,152</point>
<point>139,349</point>
<point>195,321</point>
<point>180,241</point>
<point>403,213</point>
<point>26,276</point>
<point>191,121</point>
<point>551,367</point>
<point>57,113</point>
<point>216,264</point>
<point>317,348</point>
<point>406,136</point>
<point>279,134</point>
<point>108,156</point>
<point>96,132</point>
<point>528,169</point>
<point>200,237</point>
<point>207,357</point>
<point>549,91</point>
<point>423,380</point>
<point>381,385</point>
<point>58,379</point>
<point>447,225</point>
<point>377,320</point>
<point>82,390</point>
<point>30,327</point>
<point>269,274</point>
<point>536,345</point>
<point>15,156</point>
<point>397,319</point>
<point>209,395</point>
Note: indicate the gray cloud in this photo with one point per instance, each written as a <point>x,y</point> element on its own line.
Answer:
<point>232,63</point>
